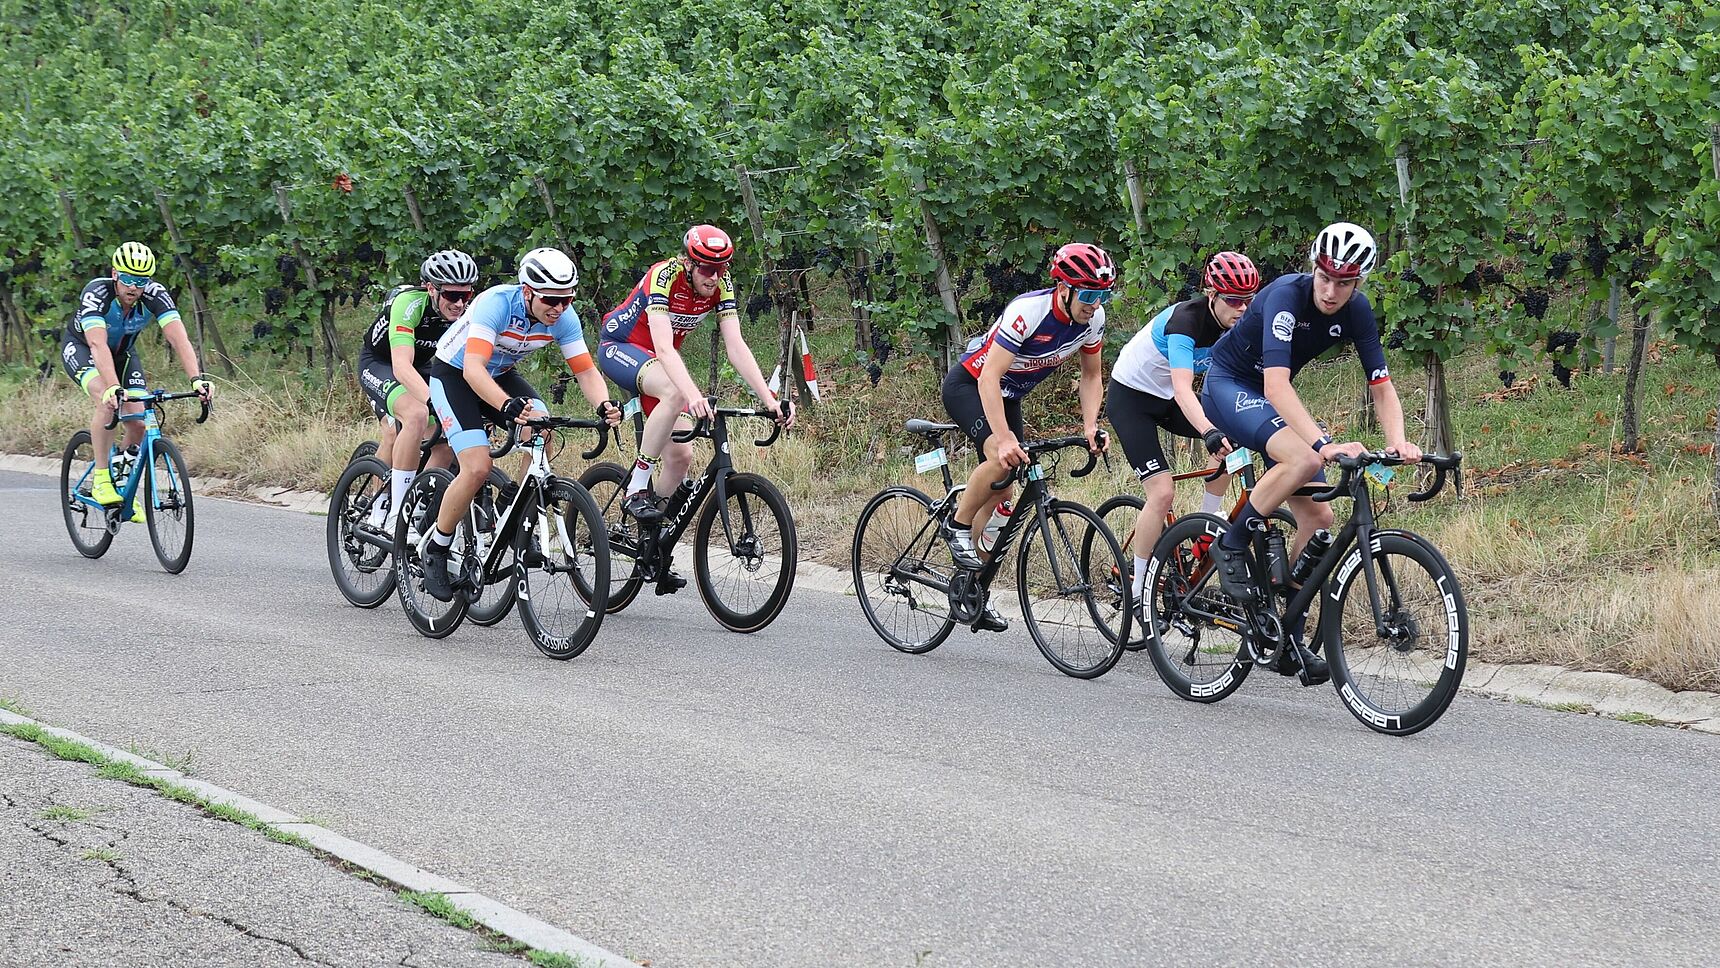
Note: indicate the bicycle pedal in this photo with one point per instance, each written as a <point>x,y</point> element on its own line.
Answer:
<point>670,584</point>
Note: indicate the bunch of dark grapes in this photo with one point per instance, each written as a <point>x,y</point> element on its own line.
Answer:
<point>274,298</point>
<point>1491,274</point>
<point>1397,338</point>
<point>1595,255</point>
<point>1559,265</point>
<point>757,305</point>
<point>1559,342</point>
<point>1534,302</point>
<point>288,267</point>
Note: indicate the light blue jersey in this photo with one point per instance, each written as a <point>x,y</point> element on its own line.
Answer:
<point>498,317</point>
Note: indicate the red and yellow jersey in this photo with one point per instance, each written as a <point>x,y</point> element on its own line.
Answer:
<point>667,286</point>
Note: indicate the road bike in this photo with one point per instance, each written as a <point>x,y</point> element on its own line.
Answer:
<point>744,544</point>
<point>547,537</point>
<point>360,543</point>
<point>914,594</point>
<point>1392,624</point>
<point>157,477</point>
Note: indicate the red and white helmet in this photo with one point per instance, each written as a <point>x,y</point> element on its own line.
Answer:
<point>1232,274</point>
<point>709,245</point>
<point>1084,265</point>
<point>1344,250</point>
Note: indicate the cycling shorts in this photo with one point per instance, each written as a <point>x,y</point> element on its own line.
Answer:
<point>623,364</point>
<point>376,379</point>
<point>961,401</point>
<point>1243,414</point>
<point>75,356</point>
<point>1137,416</point>
<point>462,413</point>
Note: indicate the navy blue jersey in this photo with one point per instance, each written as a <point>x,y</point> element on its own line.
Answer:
<point>1282,327</point>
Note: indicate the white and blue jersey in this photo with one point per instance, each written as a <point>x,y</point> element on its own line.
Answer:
<point>1282,327</point>
<point>99,305</point>
<point>1041,338</point>
<point>498,317</point>
<point>1179,338</point>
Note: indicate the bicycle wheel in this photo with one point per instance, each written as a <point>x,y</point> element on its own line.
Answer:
<point>745,566</point>
<point>496,599</point>
<point>607,485</point>
<point>166,497</point>
<point>1197,658</point>
<point>366,449</point>
<point>567,537</point>
<point>431,617</point>
<point>1076,612</point>
<point>1398,675</point>
<point>1120,514</point>
<point>902,571</point>
<point>86,524</point>
<point>360,568</point>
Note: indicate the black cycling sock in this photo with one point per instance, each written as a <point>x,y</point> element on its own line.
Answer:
<point>1296,626</point>
<point>961,525</point>
<point>1236,537</point>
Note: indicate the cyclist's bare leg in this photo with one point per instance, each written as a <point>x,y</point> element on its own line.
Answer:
<point>1311,516</point>
<point>475,464</point>
<point>979,500</point>
<point>1296,464</point>
<point>1158,491</point>
<point>654,381</point>
<point>400,448</point>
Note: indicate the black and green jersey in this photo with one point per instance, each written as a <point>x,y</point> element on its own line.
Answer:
<point>408,318</point>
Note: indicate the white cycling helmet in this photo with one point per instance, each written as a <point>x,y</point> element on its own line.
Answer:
<point>450,267</point>
<point>548,269</point>
<point>1344,250</point>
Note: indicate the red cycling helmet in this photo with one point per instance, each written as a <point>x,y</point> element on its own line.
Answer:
<point>1084,265</point>
<point>709,245</point>
<point>1232,274</point>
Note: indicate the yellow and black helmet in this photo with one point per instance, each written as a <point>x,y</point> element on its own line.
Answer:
<point>135,258</point>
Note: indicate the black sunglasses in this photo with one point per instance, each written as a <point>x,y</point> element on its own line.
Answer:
<point>456,295</point>
<point>555,302</point>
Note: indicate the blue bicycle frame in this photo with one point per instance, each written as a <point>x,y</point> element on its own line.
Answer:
<point>145,458</point>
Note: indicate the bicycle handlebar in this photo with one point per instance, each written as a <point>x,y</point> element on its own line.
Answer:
<point>702,428</point>
<point>152,397</point>
<point>1441,464</point>
<point>559,423</point>
<point>1035,448</point>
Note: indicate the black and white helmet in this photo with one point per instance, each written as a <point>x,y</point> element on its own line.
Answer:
<point>548,269</point>
<point>1344,250</point>
<point>450,267</point>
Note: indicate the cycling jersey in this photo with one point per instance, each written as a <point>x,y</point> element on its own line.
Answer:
<point>1282,327</point>
<point>1179,338</point>
<point>99,305</point>
<point>668,286</point>
<point>1040,336</point>
<point>498,318</point>
<point>408,318</point>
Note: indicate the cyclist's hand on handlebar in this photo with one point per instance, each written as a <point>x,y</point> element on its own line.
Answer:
<point>201,386</point>
<point>784,414</point>
<point>520,409</point>
<point>698,407</point>
<point>1406,450</point>
<point>1217,444</point>
<point>610,413</point>
<point>1332,452</point>
<point>1098,442</point>
<point>112,396</point>
<point>1010,453</point>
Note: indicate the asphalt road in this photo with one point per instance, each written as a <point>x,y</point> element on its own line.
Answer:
<point>807,796</point>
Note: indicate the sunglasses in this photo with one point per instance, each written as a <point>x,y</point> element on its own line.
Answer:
<point>555,302</point>
<point>709,271</point>
<point>456,295</point>
<point>1237,302</point>
<point>1092,296</point>
<point>132,280</point>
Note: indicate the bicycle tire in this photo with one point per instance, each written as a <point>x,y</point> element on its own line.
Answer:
<point>434,619</point>
<point>606,482</point>
<point>1130,505</point>
<point>894,517</point>
<point>749,552</point>
<point>361,571</point>
<point>367,449</point>
<point>1425,646</point>
<point>496,599</point>
<point>583,536</point>
<point>90,542</point>
<point>1098,604</point>
<point>1189,665</point>
<point>167,506</point>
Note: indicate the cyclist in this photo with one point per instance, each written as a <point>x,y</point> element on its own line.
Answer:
<point>473,379</point>
<point>640,350</point>
<point>1152,387</point>
<point>983,392</point>
<point>394,361</point>
<point>100,346</point>
<point>1248,396</point>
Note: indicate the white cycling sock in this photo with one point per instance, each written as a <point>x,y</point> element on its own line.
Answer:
<point>398,482</point>
<point>443,540</point>
<point>1140,576</point>
<point>642,469</point>
<point>1211,503</point>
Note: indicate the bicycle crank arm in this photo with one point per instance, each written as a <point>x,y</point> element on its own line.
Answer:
<point>370,536</point>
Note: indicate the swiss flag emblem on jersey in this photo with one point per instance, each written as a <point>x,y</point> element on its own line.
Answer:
<point>1019,327</point>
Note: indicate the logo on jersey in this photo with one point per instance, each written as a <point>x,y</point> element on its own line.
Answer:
<point>1379,376</point>
<point>1246,402</point>
<point>1284,325</point>
<point>70,353</point>
<point>1019,328</point>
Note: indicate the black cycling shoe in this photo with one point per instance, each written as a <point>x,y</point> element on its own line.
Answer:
<point>436,581</point>
<point>1314,672</point>
<point>670,583</point>
<point>990,621</point>
<point>962,548</point>
<point>642,506</point>
<point>1235,572</point>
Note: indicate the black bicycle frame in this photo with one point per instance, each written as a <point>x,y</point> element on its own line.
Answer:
<point>681,510</point>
